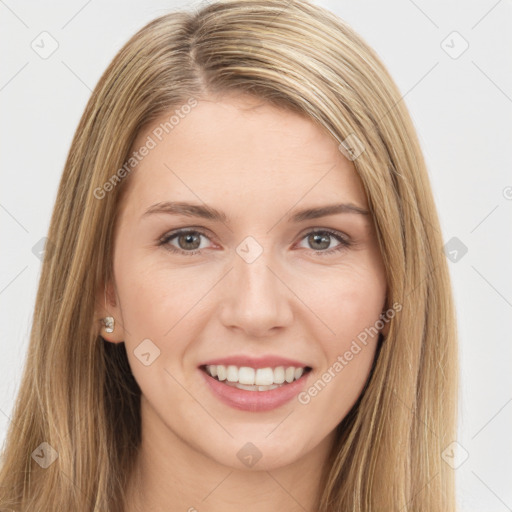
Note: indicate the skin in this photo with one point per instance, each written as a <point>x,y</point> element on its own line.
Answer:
<point>258,164</point>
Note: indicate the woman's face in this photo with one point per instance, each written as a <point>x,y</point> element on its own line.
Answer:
<point>253,281</point>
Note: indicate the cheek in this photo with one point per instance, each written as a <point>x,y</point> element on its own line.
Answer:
<point>349,305</point>
<point>157,309</point>
<point>162,313</point>
<point>354,304</point>
<point>347,301</point>
<point>155,301</point>
<point>336,386</point>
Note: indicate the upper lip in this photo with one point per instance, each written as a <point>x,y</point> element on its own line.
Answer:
<point>255,362</point>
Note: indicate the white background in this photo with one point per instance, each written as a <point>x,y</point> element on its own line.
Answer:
<point>461,107</point>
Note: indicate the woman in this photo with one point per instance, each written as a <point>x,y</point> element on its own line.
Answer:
<point>247,304</point>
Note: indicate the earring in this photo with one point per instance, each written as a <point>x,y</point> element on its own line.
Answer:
<point>108,321</point>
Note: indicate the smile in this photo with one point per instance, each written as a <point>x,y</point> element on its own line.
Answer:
<point>271,387</point>
<point>255,379</point>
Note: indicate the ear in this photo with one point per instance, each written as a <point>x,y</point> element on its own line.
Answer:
<point>106,305</point>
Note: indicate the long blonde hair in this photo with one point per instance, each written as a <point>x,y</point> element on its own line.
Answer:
<point>77,391</point>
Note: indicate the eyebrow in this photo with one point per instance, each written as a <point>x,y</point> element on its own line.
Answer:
<point>207,212</point>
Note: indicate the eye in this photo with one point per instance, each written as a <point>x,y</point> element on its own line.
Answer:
<point>188,242</point>
<point>321,239</point>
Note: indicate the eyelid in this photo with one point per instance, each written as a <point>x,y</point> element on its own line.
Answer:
<point>318,229</point>
<point>194,229</point>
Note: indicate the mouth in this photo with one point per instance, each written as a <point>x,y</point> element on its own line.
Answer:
<point>252,379</point>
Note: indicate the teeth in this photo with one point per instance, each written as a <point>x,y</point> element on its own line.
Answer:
<point>245,375</point>
<point>251,378</point>
<point>279,375</point>
<point>252,388</point>
<point>264,377</point>
<point>232,374</point>
<point>221,372</point>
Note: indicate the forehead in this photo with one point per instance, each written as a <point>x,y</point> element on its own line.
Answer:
<point>240,152</point>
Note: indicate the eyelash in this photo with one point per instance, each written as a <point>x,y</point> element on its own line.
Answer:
<point>344,243</point>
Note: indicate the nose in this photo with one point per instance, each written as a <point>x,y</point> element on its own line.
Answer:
<point>256,299</point>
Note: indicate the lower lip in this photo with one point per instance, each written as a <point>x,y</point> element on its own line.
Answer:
<point>255,401</point>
